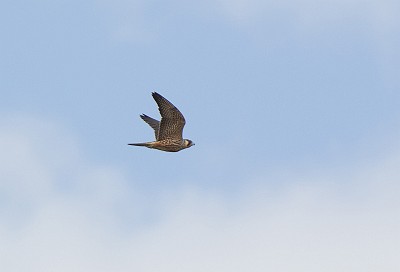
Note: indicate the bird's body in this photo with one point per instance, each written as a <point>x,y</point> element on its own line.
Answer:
<point>165,145</point>
<point>168,131</point>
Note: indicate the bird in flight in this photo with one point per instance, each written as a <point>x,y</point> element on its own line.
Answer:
<point>169,130</point>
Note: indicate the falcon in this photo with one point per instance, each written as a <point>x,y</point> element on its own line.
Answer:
<point>169,130</point>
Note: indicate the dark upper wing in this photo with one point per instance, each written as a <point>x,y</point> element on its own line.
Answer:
<point>172,120</point>
<point>151,122</point>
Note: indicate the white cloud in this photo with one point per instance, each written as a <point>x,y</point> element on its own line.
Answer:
<point>309,21</point>
<point>310,11</point>
<point>313,222</point>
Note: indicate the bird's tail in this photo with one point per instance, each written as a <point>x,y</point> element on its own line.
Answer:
<point>140,144</point>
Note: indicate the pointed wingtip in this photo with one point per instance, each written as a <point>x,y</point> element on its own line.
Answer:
<point>144,117</point>
<point>155,94</point>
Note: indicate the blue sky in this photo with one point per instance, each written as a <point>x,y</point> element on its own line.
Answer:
<point>294,107</point>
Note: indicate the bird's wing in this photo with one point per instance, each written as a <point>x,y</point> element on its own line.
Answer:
<point>151,122</point>
<point>172,120</point>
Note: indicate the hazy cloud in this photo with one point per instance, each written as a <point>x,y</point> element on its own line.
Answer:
<point>72,219</point>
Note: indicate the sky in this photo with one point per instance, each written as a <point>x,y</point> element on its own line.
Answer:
<point>294,107</point>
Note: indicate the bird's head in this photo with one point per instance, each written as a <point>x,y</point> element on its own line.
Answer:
<point>188,143</point>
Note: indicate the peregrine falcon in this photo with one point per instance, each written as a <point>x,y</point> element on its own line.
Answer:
<point>169,130</point>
